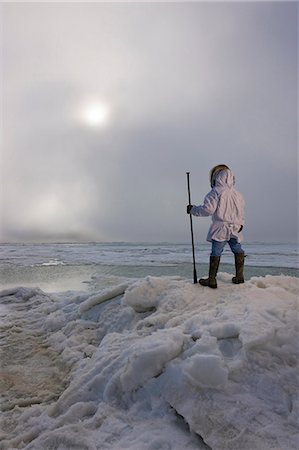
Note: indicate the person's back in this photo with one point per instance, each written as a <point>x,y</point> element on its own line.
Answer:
<point>230,207</point>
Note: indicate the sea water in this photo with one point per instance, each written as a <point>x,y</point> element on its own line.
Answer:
<point>57,267</point>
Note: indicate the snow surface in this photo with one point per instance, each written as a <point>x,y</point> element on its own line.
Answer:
<point>159,364</point>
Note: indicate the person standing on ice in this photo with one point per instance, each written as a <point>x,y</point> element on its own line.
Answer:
<point>226,206</point>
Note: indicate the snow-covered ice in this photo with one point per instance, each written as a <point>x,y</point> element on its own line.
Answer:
<point>153,364</point>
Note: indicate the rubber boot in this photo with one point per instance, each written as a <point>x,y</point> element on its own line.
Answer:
<point>239,264</point>
<point>211,281</point>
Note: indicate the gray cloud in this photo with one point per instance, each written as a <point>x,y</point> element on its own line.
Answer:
<point>188,86</point>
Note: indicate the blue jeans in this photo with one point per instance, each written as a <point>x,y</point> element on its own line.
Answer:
<point>217,247</point>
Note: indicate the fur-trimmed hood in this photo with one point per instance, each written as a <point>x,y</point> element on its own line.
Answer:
<point>224,178</point>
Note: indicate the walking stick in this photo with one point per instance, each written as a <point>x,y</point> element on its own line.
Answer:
<point>191,226</point>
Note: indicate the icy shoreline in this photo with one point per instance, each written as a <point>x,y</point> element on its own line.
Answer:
<point>155,364</point>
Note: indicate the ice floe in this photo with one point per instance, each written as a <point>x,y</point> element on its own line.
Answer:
<point>156,364</point>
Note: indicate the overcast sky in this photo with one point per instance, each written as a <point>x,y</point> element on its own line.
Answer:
<point>106,106</point>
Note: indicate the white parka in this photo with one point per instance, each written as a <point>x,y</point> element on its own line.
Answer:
<point>226,206</point>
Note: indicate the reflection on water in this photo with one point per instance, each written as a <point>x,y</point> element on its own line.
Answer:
<point>61,278</point>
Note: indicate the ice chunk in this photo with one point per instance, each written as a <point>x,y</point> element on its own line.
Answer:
<point>103,296</point>
<point>206,371</point>
<point>225,330</point>
<point>146,294</point>
<point>147,359</point>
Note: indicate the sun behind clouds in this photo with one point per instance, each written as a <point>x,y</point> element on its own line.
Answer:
<point>95,114</point>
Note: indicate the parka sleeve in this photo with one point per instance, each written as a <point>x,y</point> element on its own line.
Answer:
<point>208,207</point>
